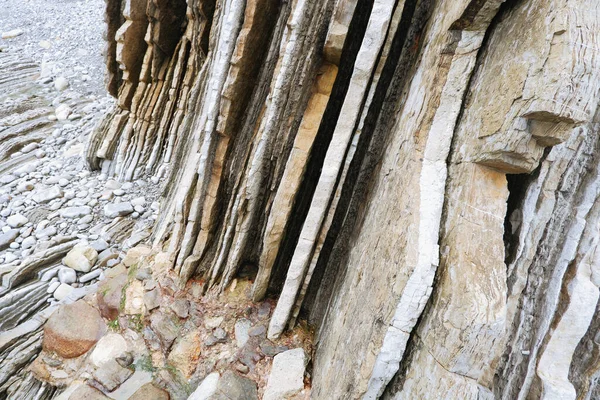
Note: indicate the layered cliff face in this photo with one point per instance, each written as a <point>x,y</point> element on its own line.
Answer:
<point>416,178</point>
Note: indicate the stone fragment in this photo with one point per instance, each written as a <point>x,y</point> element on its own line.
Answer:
<point>47,195</point>
<point>28,243</point>
<point>234,386</point>
<point>213,322</point>
<point>152,299</point>
<point>73,329</point>
<point>181,307</point>
<point>134,298</point>
<point>52,288</point>
<point>258,330</point>
<point>81,258</point>
<point>67,275</point>
<point>12,33</point>
<point>75,212</point>
<point>90,275</point>
<point>287,375</point>
<point>135,254</point>
<point>270,350</point>
<point>62,112</point>
<point>166,326</point>
<point>114,210</point>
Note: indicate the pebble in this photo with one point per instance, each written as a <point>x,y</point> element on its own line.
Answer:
<point>61,83</point>
<point>12,33</point>
<point>67,275</point>
<point>16,221</point>
<point>90,276</point>
<point>63,291</point>
<point>62,113</point>
<point>46,276</point>
<point>53,286</point>
<point>28,242</point>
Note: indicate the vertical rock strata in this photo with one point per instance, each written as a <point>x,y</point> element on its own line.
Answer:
<point>362,158</point>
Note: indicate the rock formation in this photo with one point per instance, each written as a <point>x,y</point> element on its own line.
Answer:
<point>416,179</point>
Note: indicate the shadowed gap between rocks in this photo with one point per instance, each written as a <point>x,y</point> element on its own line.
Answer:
<point>356,31</point>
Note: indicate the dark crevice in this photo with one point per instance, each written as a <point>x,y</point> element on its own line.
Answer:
<point>517,187</point>
<point>331,266</point>
<point>356,32</point>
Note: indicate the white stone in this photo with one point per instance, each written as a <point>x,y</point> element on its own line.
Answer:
<point>81,258</point>
<point>61,83</point>
<point>62,291</point>
<point>67,275</point>
<point>28,242</point>
<point>53,286</point>
<point>16,221</point>
<point>287,375</point>
<point>207,388</point>
<point>47,194</point>
<point>62,112</point>
<point>109,347</point>
<point>12,33</point>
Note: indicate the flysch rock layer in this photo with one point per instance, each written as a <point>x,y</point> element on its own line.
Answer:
<point>415,179</point>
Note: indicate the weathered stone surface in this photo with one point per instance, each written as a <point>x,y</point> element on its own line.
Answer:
<point>360,158</point>
<point>185,353</point>
<point>234,386</point>
<point>111,375</point>
<point>73,329</point>
<point>150,391</point>
<point>110,293</point>
<point>166,325</point>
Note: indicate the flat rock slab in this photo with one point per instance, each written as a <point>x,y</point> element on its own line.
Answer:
<point>75,212</point>
<point>287,375</point>
<point>73,329</point>
<point>118,209</point>
<point>111,375</point>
